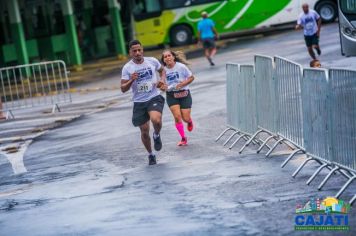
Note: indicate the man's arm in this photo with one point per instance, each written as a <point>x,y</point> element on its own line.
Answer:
<point>299,24</point>
<point>161,72</point>
<point>298,27</point>
<point>319,26</point>
<point>162,82</point>
<point>126,84</point>
<point>215,33</point>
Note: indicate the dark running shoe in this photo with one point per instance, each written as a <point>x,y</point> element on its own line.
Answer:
<point>211,61</point>
<point>152,160</point>
<point>158,142</point>
<point>318,51</point>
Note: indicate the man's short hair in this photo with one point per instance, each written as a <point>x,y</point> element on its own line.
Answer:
<point>134,42</point>
<point>204,14</point>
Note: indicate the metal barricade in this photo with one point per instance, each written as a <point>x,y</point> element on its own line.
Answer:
<point>313,110</point>
<point>241,109</point>
<point>247,99</point>
<point>343,116</point>
<point>232,93</point>
<point>316,112</point>
<point>232,71</point>
<point>266,93</point>
<point>342,101</point>
<point>246,109</point>
<point>288,76</point>
<point>266,100</point>
<point>315,119</point>
<point>34,85</point>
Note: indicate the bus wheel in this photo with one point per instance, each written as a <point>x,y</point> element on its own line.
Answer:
<point>181,35</point>
<point>327,11</point>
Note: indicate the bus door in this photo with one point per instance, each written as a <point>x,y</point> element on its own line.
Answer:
<point>148,26</point>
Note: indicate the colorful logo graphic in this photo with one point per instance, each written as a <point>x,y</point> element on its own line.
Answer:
<point>327,214</point>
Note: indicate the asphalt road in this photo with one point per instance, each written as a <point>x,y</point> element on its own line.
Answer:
<point>89,175</point>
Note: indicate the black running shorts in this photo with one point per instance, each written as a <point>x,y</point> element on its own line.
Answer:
<point>208,43</point>
<point>140,110</point>
<point>311,40</point>
<point>184,103</point>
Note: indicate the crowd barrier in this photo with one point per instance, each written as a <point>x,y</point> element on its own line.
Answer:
<point>313,111</point>
<point>34,85</point>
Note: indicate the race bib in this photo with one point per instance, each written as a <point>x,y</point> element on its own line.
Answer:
<point>144,87</point>
<point>181,94</point>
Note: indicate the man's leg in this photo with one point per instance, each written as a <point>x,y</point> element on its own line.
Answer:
<point>317,49</point>
<point>146,140</point>
<point>311,52</point>
<point>145,136</point>
<point>213,51</point>
<point>156,119</point>
<point>208,56</point>
<point>155,109</point>
<point>309,42</point>
<point>207,53</point>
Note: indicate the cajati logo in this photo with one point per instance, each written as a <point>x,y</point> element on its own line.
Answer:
<point>327,214</point>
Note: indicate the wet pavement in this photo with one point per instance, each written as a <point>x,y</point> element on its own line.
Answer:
<point>86,170</point>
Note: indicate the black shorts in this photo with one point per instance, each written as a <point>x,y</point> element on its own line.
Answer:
<point>311,40</point>
<point>208,43</point>
<point>184,103</point>
<point>140,110</point>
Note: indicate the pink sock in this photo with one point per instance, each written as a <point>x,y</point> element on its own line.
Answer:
<point>180,128</point>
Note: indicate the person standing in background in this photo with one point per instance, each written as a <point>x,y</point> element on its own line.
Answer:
<point>207,35</point>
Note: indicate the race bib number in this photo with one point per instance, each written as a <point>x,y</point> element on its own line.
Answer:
<point>144,87</point>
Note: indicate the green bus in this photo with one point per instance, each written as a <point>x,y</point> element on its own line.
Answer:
<point>174,22</point>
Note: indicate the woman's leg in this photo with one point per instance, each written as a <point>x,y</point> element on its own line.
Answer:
<point>176,111</point>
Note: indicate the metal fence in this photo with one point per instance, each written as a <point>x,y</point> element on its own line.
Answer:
<point>239,88</point>
<point>266,93</point>
<point>265,98</point>
<point>342,100</point>
<point>231,95</point>
<point>290,119</point>
<point>316,112</point>
<point>248,121</point>
<point>313,110</point>
<point>342,87</point>
<point>33,85</point>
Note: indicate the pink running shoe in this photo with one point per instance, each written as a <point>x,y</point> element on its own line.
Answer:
<point>183,142</point>
<point>190,126</point>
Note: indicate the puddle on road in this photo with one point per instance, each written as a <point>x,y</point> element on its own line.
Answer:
<point>14,155</point>
<point>11,205</point>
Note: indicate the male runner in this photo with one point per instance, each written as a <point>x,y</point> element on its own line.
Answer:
<point>139,74</point>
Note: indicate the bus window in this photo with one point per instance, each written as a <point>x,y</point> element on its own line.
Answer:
<point>348,6</point>
<point>347,24</point>
<point>169,4</point>
<point>176,4</point>
<point>144,9</point>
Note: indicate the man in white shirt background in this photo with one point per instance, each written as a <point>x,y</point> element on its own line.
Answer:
<point>310,22</point>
